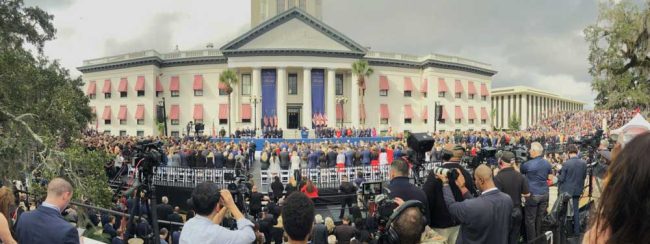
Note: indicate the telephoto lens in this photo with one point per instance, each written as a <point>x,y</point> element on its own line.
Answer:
<point>440,171</point>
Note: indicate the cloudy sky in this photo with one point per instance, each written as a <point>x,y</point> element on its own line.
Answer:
<point>533,43</point>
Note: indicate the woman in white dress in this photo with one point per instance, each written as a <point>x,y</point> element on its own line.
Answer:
<point>383,157</point>
<point>295,161</point>
<point>274,166</point>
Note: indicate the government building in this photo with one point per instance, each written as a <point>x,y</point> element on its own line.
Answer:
<point>528,104</point>
<point>292,68</point>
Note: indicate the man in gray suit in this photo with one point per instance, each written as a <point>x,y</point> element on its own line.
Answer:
<point>484,219</point>
<point>572,181</point>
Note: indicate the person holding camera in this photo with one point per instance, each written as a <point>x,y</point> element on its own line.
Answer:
<point>400,186</point>
<point>537,172</point>
<point>484,219</point>
<point>571,180</point>
<point>211,206</point>
<point>511,182</point>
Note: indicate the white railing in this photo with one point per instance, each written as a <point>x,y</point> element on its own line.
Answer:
<point>439,57</point>
<point>153,53</point>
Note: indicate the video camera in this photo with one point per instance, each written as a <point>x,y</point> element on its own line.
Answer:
<point>590,141</point>
<point>148,155</point>
<point>520,152</point>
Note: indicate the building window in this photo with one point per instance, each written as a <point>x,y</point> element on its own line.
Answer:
<point>471,96</point>
<point>222,92</point>
<point>174,122</point>
<point>483,121</point>
<point>246,84</point>
<point>458,121</point>
<point>140,133</point>
<point>442,121</point>
<point>123,94</point>
<point>198,121</point>
<point>107,95</point>
<point>339,84</point>
<point>175,133</point>
<point>458,95</point>
<point>175,93</point>
<point>293,84</point>
<point>471,121</point>
<point>141,93</point>
<point>407,93</point>
<point>407,121</point>
<point>424,94</point>
<point>426,121</point>
<point>141,122</point>
<point>198,93</point>
<point>107,132</point>
<point>223,121</point>
<point>441,94</point>
<point>246,120</point>
<point>383,93</point>
<point>384,121</point>
<point>92,96</point>
<point>122,122</point>
<point>484,98</point>
<point>107,121</point>
<point>158,93</point>
<point>122,133</point>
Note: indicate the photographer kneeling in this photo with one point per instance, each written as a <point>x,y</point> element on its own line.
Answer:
<point>211,206</point>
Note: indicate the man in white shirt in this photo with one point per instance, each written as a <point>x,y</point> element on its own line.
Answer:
<point>210,206</point>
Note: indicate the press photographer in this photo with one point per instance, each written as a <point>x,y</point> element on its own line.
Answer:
<point>511,182</point>
<point>211,206</point>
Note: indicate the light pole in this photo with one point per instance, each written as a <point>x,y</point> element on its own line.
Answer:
<point>341,100</point>
<point>255,100</point>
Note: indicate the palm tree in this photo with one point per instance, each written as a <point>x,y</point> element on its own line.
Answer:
<point>362,69</point>
<point>229,79</point>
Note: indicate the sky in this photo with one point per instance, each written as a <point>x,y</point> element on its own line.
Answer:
<point>533,43</point>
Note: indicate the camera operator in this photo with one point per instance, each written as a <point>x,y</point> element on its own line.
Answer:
<point>484,219</point>
<point>348,190</point>
<point>571,180</point>
<point>511,182</point>
<point>407,223</point>
<point>537,171</point>
<point>211,206</point>
<point>400,186</point>
<point>439,218</point>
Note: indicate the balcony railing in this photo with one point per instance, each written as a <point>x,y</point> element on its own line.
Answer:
<point>153,53</point>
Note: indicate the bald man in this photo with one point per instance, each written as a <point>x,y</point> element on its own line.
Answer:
<point>484,219</point>
<point>45,224</point>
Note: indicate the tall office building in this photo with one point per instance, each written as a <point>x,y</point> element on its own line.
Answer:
<point>262,10</point>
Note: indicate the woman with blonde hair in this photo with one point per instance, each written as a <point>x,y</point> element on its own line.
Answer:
<point>7,200</point>
<point>329,223</point>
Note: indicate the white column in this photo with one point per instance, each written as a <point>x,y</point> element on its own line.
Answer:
<point>256,79</point>
<point>281,105</point>
<point>524,112</point>
<point>306,97</point>
<point>234,105</point>
<point>506,105</point>
<point>330,99</point>
<point>354,101</point>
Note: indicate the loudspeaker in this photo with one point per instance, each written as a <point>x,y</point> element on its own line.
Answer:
<point>420,142</point>
<point>439,112</point>
<point>160,114</point>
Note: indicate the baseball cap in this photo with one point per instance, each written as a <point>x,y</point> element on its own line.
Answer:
<point>507,157</point>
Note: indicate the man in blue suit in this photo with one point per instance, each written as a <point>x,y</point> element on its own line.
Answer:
<point>45,224</point>
<point>572,181</point>
<point>365,156</point>
<point>484,219</point>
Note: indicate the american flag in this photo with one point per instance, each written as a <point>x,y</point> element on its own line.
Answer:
<point>275,121</point>
<point>266,121</point>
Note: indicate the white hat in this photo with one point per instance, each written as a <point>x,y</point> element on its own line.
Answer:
<point>638,122</point>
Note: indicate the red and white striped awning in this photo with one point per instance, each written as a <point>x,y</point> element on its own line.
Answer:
<point>92,88</point>
<point>139,84</point>
<point>408,84</point>
<point>122,114</point>
<point>471,114</point>
<point>458,113</point>
<point>107,113</point>
<point>484,90</point>
<point>471,90</point>
<point>444,113</point>
<point>139,112</point>
<point>159,86</point>
<point>339,111</point>
<point>484,113</point>
<point>223,111</point>
<point>442,85</point>
<point>107,86</point>
<point>198,82</point>
<point>124,85</point>
<point>459,87</point>
<point>175,112</point>
<point>246,111</point>
<point>383,111</point>
<point>174,84</point>
<point>198,111</point>
<point>425,112</point>
<point>408,111</point>
<point>383,82</point>
<point>425,86</point>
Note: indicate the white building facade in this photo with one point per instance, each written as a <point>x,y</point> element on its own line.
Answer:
<point>528,104</point>
<point>298,66</point>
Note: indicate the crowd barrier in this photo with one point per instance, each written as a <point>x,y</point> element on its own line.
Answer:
<point>190,177</point>
<point>259,142</point>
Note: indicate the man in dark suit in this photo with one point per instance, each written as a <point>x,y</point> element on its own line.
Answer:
<point>331,158</point>
<point>255,200</point>
<point>511,182</point>
<point>109,228</point>
<point>164,209</point>
<point>175,217</point>
<point>401,187</point>
<point>484,219</point>
<point>45,224</point>
<point>284,159</point>
<point>572,181</point>
<point>348,190</point>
